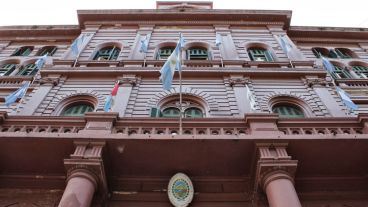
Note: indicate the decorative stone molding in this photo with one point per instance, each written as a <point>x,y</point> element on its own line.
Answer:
<point>49,80</point>
<point>238,81</point>
<point>3,116</point>
<point>273,162</point>
<point>87,162</point>
<point>315,82</point>
<point>128,80</point>
<point>363,119</point>
<point>262,124</point>
<point>99,122</point>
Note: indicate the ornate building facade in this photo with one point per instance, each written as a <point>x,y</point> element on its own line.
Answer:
<point>262,126</point>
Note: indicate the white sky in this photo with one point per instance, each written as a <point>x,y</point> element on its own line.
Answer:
<point>337,13</point>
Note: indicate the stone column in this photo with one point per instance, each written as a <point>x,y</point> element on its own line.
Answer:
<point>274,175</point>
<point>280,190</point>
<point>86,175</point>
<point>81,186</point>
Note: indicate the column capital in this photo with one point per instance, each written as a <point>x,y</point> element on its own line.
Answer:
<point>128,80</point>
<point>315,82</point>
<point>273,163</point>
<point>87,162</point>
<point>54,81</point>
<point>238,81</point>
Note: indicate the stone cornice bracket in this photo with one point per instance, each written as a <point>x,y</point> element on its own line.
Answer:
<point>273,163</point>
<point>99,122</point>
<point>49,80</point>
<point>363,120</point>
<point>3,116</point>
<point>87,162</point>
<point>315,82</point>
<point>128,80</point>
<point>238,81</point>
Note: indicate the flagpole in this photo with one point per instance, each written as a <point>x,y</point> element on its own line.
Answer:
<point>76,59</point>
<point>180,92</point>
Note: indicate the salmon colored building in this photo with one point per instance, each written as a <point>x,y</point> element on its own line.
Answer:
<point>263,124</point>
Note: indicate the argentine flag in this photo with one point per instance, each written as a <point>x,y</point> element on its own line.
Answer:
<point>77,44</point>
<point>346,99</point>
<point>173,62</point>
<point>41,61</point>
<point>10,99</point>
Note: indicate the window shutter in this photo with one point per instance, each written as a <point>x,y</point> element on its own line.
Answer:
<point>332,54</point>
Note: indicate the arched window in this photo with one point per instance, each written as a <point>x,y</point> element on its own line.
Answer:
<point>23,51</point>
<point>164,52</point>
<point>320,51</point>
<point>288,111</point>
<point>340,73</point>
<point>7,69</point>
<point>345,53</point>
<point>107,53</point>
<point>29,69</point>
<point>259,54</point>
<point>77,109</point>
<point>171,112</point>
<point>360,70</point>
<point>49,50</point>
<point>197,53</point>
<point>193,112</point>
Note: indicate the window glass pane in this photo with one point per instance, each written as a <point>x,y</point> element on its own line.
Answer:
<point>197,54</point>
<point>107,53</point>
<point>29,69</point>
<point>50,50</point>
<point>171,112</point>
<point>193,113</point>
<point>286,111</point>
<point>259,54</point>
<point>77,110</point>
<point>7,69</point>
<point>164,53</point>
<point>23,51</point>
<point>361,71</point>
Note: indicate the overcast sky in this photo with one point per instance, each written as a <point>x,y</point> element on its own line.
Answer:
<point>337,13</point>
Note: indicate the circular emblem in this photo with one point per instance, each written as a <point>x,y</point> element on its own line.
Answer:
<point>180,190</point>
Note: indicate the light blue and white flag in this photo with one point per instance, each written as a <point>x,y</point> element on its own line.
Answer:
<point>172,63</point>
<point>144,45</point>
<point>41,61</point>
<point>77,44</point>
<point>346,99</point>
<point>10,99</point>
<point>285,45</point>
<point>328,65</point>
<point>218,41</point>
<point>108,103</point>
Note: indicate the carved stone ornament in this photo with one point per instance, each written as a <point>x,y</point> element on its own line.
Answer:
<point>238,81</point>
<point>129,80</point>
<point>316,81</point>
<point>49,80</point>
<point>180,190</point>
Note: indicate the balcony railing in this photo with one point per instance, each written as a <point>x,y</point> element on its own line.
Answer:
<point>201,128</point>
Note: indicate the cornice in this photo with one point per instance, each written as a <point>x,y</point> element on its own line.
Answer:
<point>36,32</point>
<point>177,16</point>
<point>328,32</point>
